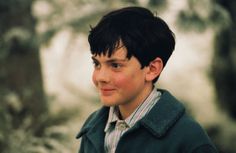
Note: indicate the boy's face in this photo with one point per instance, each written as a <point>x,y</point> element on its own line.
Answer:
<point>120,81</point>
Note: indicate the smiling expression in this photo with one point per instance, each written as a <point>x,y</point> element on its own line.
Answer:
<point>119,80</point>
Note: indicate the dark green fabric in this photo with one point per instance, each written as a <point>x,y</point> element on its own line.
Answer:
<point>165,129</point>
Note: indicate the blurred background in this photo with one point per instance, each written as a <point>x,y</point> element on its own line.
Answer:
<point>46,91</point>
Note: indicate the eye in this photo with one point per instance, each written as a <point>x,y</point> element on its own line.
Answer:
<point>116,65</point>
<point>96,64</point>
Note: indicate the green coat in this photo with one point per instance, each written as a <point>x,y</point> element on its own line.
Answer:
<point>165,129</point>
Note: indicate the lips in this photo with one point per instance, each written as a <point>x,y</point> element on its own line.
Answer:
<point>107,91</point>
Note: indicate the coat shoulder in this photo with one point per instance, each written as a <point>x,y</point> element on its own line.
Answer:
<point>191,133</point>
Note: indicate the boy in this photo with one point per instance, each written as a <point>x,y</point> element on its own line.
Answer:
<point>130,47</point>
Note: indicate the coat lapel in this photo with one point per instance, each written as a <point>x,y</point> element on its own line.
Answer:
<point>94,129</point>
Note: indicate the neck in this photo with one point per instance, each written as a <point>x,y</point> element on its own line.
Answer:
<point>127,109</point>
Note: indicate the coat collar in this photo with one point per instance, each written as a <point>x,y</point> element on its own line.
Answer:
<point>93,128</point>
<point>163,115</point>
<point>158,121</point>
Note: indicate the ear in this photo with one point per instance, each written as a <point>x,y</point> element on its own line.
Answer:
<point>154,69</point>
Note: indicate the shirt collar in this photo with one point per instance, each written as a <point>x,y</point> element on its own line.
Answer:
<point>112,117</point>
<point>139,112</point>
<point>144,107</point>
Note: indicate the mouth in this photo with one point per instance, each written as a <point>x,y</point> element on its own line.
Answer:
<point>106,91</point>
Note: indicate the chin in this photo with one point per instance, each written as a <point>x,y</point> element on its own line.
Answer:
<point>109,103</point>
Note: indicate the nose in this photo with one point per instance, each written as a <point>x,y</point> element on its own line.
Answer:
<point>101,75</point>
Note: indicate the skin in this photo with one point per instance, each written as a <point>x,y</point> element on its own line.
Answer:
<point>121,82</point>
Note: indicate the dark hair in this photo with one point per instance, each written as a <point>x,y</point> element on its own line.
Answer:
<point>144,35</point>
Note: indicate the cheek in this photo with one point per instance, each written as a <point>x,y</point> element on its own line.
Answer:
<point>124,81</point>
<point>130,81</point>
<point>94,78</point>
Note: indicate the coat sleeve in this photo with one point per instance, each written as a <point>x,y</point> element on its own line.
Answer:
<point>207,148</point>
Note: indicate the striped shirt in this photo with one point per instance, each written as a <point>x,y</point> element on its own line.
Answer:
<point>115,127</point>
